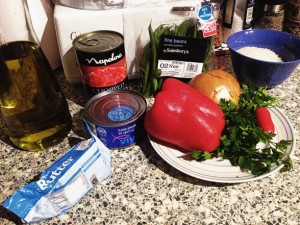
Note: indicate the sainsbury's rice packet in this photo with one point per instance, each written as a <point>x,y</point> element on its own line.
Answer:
<point>63,183</point>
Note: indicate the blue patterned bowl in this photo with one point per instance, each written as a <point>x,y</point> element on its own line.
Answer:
<point>259,72</point>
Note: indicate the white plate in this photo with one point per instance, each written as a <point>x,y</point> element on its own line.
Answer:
<point>219,170</point>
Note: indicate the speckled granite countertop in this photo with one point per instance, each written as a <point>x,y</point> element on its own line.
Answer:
<point>144,189</point>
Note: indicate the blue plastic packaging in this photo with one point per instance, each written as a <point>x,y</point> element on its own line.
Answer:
<point>63,183</point>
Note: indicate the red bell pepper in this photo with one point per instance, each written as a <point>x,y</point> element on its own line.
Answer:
<point>184,117</point>
<point>264,119</point>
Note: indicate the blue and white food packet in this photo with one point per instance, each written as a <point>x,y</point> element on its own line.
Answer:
<point>63,183</point>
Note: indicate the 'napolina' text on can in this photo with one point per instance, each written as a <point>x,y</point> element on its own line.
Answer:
<point>101,58</point>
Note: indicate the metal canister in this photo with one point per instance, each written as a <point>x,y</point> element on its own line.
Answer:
<point>292,21</point>
<point>116,117</point>
<point>293,11</point>
<point>271,15</point>
<point>102,62</point>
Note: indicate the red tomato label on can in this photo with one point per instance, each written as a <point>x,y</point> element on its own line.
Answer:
<point>102,62</point>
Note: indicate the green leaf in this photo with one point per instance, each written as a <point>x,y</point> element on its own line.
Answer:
<point>200,155</point>
<point>241,135</point>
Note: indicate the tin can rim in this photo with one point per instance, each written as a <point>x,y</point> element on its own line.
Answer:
<point>138,114</point>
<point>94,32</point>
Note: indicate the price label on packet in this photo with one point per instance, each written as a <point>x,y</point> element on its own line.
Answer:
<point>181,57</point>
<point>208,24</point>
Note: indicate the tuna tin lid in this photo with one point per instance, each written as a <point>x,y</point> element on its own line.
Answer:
<point>115,108</point>
<point>98,41</point>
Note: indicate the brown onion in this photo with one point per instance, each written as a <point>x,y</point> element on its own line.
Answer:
<point>217,84</point>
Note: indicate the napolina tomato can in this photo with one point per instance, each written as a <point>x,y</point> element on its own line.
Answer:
<point>102,62</point>
<point>116,117</point>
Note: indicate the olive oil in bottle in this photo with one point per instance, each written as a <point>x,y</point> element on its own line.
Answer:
<point>33,107</point>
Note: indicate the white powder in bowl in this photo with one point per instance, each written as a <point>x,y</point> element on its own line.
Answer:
<point>260,54</point>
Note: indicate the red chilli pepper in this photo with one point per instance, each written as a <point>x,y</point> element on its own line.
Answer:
<point>264,119</point>
<point>184,117</point>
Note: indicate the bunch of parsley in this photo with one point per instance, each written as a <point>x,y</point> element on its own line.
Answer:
<point>241,135</point>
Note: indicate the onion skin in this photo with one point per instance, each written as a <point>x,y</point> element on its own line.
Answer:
<point>217,84</point>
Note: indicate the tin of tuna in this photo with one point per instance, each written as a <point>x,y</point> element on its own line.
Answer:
<point>116,117</point>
